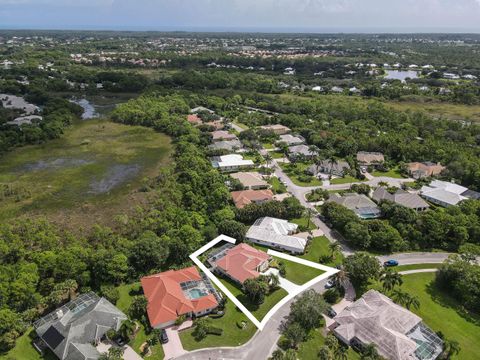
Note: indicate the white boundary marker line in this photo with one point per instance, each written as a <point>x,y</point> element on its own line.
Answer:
<point>329,271</point>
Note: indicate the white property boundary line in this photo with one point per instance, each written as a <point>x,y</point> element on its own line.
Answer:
<point>329,271</point>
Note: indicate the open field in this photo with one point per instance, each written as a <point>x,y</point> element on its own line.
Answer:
<point>318,250</point>
<point>298,273</point>
<point>89,175</point>
<point>439,109</point>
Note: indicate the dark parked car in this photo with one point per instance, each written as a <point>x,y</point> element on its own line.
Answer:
<point>331,313</point>
<point>120,341</point>
<point>163,337</point>
<point>390,263</point>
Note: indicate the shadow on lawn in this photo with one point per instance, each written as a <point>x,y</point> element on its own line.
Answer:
<point>445,300</point>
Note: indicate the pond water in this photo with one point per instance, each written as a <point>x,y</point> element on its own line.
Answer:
<point>89,111</point>
<point>55,164</point>
<point>115,176</point>
<point>401,74</point>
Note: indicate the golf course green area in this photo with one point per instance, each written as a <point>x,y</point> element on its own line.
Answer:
<point>87,176</point>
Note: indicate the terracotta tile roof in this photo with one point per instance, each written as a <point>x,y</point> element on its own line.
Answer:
<point>166,300</point>
<point>194,119</point>
<point>241,262</point>
<point>244,197</point>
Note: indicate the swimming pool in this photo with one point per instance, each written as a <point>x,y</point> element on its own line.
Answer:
<point>197,293</point>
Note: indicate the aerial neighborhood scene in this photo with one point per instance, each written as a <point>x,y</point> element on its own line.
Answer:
<point>251,180</point>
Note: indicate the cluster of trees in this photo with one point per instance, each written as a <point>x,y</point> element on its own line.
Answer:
<point>57,114</point>
<point>402,228</point>
<point>256,289</point>
<point>460,276</point>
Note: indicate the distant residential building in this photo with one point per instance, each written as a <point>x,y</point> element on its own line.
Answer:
<point>277,129</point>
<point>370,158</point>
<point>337,168</point>
<point>201,109</point>
<point>291,140</point>
<point>221,135</point>
<point>22,120</point>
<point>73,330</point>
<point>232,145</point>
<point>300,150</point>
<point>276,233</point>
<point>446,194</point>
<point>450,76</point>
<point>397,333</point>
<point>360,204</point>
<point>232,162</point>
<point>243,198</point>
<point>216,124</point>
<point>336,89</point>
<point>251,180</point>
<point>241,263</point>
<point>174,293</point>
<point>401,197</point>
<point>419,170</point>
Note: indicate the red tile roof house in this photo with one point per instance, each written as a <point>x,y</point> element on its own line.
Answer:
<point>242,262</point>
<point>194,119</point>
<point>173,293</point>
<point>244,197</point>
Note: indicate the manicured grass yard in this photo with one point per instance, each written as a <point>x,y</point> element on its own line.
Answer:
<point>443,313</point>
<point>259,311</point>
<point>392,173</point>
<point>304,223</point>
<point>308,350</point>
<point>232,334</point>
<point>268,146</point>
<point>318,249</point>
<point>296,174</point>
<point>298,273</point>
<point>415,267</point>
<point>243,126</point>
<point>276,154</point>
<point>345,180</point>
<point>24,349</point>
<point>277,186</point>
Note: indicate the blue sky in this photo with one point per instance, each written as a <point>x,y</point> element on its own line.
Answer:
<point>342,15</point>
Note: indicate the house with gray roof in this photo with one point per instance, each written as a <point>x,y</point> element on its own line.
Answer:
<point>276,233</point>
<point>446,194</point>
<point>230,145</point>
<point>360,204</point>
<point>300,150</point>
<point>291,140</point>
<point>401,197</point>
<point>327,167</point>
<point>397,333</point>
<point>71,330</point>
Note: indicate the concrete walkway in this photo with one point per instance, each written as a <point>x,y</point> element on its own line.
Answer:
<point>407,272</point>
<point>173,348</point>
<point>285,284</point>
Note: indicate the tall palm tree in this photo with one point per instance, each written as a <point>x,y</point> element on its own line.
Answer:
<point>450,348</point>
<point>308,213</point>
<point>370,352</point>
<point>127,329</point>
<point>390,279</point>
<point>341,353</point>
<point>405,299</point>
<point>340,278</point>
<point>274,281</point>
<point>268,159</point>
<point>313,150</point>
<point>332,161</point>
<point>334,248</point>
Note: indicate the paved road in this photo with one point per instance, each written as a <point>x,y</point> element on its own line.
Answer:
<point>416,258</point>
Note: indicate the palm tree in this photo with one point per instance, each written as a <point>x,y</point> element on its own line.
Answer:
<point>127,329</point>
<point>70,286</point>
<point>370,352</point>
<point>341,353</point>
<point>405,299</point>
<point>340,278</point>
<point>313,150</point>
<point>332,161</point>
<point>268,158</point>
<point>308,213</point>
<point>391,279</point>
<point>450,348</point>
<point>274,281</point>
<point>334,248</point>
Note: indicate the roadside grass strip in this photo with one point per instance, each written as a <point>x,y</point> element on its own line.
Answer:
<point>329,271</point>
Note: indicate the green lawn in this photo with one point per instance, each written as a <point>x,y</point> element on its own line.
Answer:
<point>277,186</point>
<point>416,267</point>
<point>243,126</point>
<point>268,146</point>
<point>319,249</point>
<point>308,350</point>
<point>276,154</point>
<point>259,311</point>
<point>298,273</point>
<point>392,173</point>
<point>24,349</point>
<point>309,225</point>
<point>297,173</point>
<point>232,334</point>
<point>126,293</point>
<point>345,180</point>
<point>443,313</point>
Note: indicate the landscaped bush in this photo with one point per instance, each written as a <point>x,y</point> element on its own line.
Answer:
<point>215,331</point>
<point>332,296</point>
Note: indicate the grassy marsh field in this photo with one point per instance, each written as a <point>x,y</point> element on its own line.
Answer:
<point>89,175</point>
